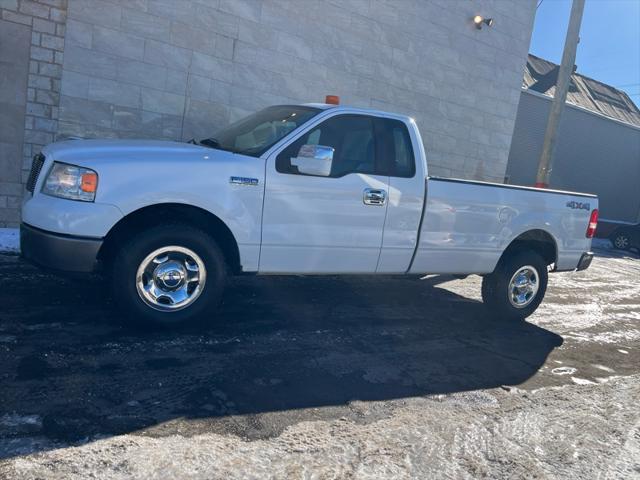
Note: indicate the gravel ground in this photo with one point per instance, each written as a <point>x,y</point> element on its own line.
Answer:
<point>340,377</point>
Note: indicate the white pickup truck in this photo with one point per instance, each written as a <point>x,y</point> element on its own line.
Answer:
<point>291,189</point>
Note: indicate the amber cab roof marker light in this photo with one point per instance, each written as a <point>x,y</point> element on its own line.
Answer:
<point>332,99</point>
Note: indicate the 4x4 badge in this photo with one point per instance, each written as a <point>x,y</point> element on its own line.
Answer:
<point>579,205</point>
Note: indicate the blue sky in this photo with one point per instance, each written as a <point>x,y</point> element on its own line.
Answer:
<point>609,48</point>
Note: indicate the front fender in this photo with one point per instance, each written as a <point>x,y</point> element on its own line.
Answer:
<point>69,217</point>
<point>198,184</point>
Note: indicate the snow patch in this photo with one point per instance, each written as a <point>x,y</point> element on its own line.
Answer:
<point>604,368</point>
<point>9,240</point>
<point>16,420</point>
<point>606,337</point>
<point>582,381</point>
<point>564,371</point>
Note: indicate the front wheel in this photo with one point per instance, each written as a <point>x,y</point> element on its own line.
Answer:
<point>517,286</point>
<point>169,276</point>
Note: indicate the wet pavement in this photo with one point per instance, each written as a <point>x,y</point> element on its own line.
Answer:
<point>294,368</point>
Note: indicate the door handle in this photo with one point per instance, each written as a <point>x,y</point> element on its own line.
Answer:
<point>374,196</point>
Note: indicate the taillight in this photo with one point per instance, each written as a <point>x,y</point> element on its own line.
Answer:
<point>593,224</point>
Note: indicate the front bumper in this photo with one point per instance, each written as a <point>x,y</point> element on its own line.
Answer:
<point>65,253</point>
<point>585,261</point>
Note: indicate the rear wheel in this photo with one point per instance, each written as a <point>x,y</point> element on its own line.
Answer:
<point>517,286</point>
<point>169,276</point>
<point>621,240</point>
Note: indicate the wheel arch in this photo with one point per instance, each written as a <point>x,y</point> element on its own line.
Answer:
<point>623,229</point>
<point>152,215</point>
<point>627,232</point>
<point>537,240</point>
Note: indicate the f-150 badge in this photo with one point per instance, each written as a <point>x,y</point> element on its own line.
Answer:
<point>243,181</point>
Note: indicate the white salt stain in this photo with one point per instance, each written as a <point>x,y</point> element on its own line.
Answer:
<point>604,368</point>
<point>606,379</point>
<point>564,371</point>
<point>582,381</point>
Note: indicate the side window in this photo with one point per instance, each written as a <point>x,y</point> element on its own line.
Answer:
<point>314,137</point>
<point>352,138</point>
<point>395,150</point>
<point>404,165</point>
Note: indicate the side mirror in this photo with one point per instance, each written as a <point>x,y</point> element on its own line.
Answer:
<point>314,160</point>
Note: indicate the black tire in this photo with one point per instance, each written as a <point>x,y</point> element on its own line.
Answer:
<point>496,291</point>
<point>621,240</point>
<point>129,257</point>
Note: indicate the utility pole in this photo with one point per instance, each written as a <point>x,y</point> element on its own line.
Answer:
<point>562,86</point>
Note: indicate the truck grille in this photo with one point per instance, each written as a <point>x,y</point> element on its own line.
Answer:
<point>36,166</point>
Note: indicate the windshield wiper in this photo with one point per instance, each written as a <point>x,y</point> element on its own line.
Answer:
<point>211,142</point>
<point>214,143</point>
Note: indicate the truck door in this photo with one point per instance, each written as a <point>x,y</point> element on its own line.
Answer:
<point>328,221</point>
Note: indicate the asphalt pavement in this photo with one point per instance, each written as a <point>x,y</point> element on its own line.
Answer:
<point>314,377</point>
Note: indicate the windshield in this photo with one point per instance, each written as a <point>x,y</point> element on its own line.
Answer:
<point>255,134</point>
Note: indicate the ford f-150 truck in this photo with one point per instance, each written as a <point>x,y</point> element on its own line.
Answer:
<point>292,189</point>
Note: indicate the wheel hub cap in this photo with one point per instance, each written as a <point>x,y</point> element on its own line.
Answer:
<point>170,278</point>
<point>169,275</point>
<point>621,242</point>
<point>523,286</point>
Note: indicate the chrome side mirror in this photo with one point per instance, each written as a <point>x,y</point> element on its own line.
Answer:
<point>314,160</point>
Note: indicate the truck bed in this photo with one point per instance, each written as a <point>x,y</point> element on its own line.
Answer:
<point>466,224</point>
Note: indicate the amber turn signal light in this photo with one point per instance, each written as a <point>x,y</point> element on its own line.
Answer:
<point>89,182</point>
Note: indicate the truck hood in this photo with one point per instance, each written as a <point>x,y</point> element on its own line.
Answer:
<point>93,149</point>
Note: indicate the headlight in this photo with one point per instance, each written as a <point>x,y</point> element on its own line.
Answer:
<point>70,181</point>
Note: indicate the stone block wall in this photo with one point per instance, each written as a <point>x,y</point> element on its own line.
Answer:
<point>177,69</point>
<point>40,54</point>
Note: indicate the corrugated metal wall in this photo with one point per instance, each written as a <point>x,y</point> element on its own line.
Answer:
<point>593,154</point>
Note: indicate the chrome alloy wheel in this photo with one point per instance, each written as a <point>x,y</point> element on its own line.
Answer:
<point>171,278</point>
<point>523,286</point>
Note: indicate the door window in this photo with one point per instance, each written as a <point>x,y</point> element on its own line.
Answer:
<point>362,144</point>
<point>352,138</point>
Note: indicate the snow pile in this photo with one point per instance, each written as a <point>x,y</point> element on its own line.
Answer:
<point>9,240</point>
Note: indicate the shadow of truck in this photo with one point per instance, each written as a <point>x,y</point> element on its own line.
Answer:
<point>282,348</point>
